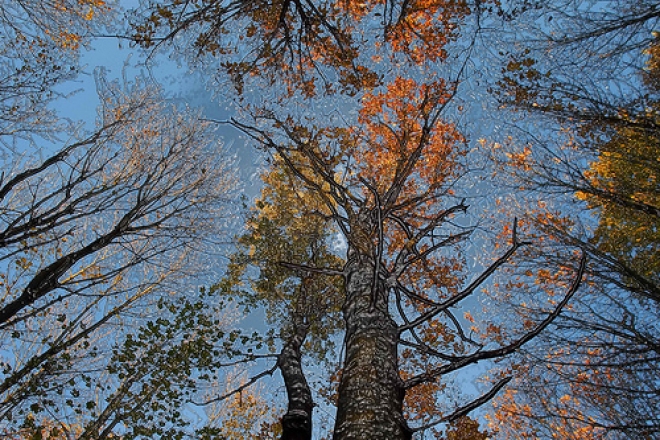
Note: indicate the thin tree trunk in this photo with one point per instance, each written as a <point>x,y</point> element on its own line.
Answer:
<point>370,403</point>
<point>297,422</point>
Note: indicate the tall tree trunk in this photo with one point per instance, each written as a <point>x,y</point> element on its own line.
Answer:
<point>297,422</point>
<point>370,403</point>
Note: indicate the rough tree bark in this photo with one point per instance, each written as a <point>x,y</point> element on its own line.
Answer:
<point>370,392</point>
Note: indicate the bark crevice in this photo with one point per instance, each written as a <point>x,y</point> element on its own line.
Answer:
<point>371,391</point>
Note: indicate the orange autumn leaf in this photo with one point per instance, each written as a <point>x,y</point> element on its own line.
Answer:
<point>394,130</point>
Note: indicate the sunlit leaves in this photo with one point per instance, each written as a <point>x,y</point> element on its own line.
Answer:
<point>464,428</point>
<point>626,191</point>
<point>244,416</point>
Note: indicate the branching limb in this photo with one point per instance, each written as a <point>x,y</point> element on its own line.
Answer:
<point>424,348</point>
<point>508,349</point>
<point>459,329</point>
<point>254,379</point>
<point>378,258</point>
<point>414,296</point>
<point>466,409</point>
<point>311,269</point>
<point>266,140</point>
<point>470,288</point>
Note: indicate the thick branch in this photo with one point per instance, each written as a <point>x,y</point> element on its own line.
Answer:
<point>470,288</point>
<point>47,279</point>
<point>508,349</point>
<point>311,269</point>
<point>254,379</point>
<point>466,409</point>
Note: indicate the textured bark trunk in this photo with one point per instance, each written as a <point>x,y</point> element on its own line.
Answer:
<point>370,403</point>
<point>297,422</point>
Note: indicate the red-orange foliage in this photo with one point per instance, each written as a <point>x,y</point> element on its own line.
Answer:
<point>402,139</point>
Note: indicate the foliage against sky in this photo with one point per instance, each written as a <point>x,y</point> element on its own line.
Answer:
<point>99,229</point>
<point>585,163</point>
<point>378,169</point>
<point>355,247</point>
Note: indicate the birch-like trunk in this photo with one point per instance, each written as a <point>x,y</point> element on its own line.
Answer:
<point>370,402</point>
<point>297,422</point>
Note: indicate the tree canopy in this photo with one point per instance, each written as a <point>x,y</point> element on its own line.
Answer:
<point>393,251</point>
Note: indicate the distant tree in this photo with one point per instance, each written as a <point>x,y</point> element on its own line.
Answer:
<point>624,190</point>
<point>595,186</point>
<point>98,230</point>
<point>40,48</point>
<point>92,235</point>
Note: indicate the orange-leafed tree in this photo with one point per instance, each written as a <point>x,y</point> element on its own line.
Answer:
<point>314,47</point>
<point>384,187</point>
<point>464,428</point>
